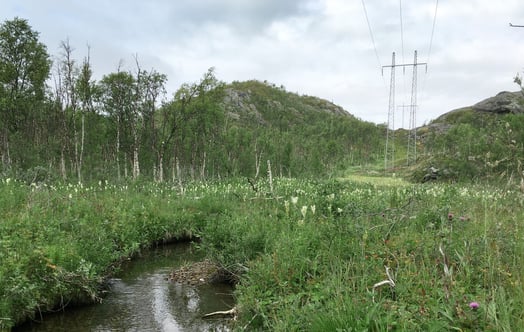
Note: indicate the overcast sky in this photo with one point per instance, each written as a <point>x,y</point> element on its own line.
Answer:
<point>321,48</point>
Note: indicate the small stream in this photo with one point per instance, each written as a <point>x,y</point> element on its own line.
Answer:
<point>142,299</point>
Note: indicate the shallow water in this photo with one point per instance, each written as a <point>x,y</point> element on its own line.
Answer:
<point>142,299</point>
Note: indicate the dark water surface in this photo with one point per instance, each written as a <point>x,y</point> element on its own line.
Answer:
<point>142,299</point>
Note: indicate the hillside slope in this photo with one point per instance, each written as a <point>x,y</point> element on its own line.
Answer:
<point>482,141</point>
<point>299,134</point>
<point>261,103</point>
<point>504,102</point>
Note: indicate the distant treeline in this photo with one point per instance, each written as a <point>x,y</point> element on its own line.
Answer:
<point>58,123</point>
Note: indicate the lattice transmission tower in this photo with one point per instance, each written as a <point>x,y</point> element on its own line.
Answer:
<point>411,156</point>
<point>389,159</point>
<point>389,155</point>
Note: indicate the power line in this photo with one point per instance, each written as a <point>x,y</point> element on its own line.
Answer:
<point>402,47</point>
<point>401,30</point>
<point>516,26</point>
<point>432,31</point>
<point>371,34</point>
<point>431,42</point>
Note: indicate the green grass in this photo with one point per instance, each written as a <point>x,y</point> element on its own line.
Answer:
<point>376,180</point>
<point>308,255</point>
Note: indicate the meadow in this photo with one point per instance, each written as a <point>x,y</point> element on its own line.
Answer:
<point>310,255</point>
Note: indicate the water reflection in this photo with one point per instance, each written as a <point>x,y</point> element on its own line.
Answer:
<point>142,299</point>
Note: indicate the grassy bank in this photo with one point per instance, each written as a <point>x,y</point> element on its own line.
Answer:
<point>58,243</point>
<point>337,255</point>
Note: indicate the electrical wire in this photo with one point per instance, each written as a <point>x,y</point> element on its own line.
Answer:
<point>373,41</point>
<point>432,31</point>
<point>430,45</point>
<point>403,60</point>
<point>371,33</point>
<point>401,31</point>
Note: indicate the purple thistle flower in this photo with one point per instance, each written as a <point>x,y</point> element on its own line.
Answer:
<point>474,305</point>
<point>450,216</point>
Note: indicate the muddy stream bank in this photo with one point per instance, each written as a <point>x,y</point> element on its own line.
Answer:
<point>143,297</point>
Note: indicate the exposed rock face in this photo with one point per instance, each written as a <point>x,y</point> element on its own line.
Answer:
<point>504,102</point>
<point>258,102</point>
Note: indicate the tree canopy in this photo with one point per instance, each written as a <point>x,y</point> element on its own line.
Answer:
<point>58,122</point>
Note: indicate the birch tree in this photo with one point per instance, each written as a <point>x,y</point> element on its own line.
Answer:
<point>24,68</point>
<point>86,90</point>
<point>154,89</point>
<point>117,99</point>
<point>67,73</point>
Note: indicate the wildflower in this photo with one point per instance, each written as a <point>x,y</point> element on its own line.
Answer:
<point>474,305</point>
<point>450,216</point>
<point>303,210</point>
<point>463,218</point>
<point>294,200</point>
<point>313,208</point>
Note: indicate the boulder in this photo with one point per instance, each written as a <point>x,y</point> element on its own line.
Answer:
<point>503,102</point>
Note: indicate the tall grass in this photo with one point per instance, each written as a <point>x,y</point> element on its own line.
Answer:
<point>308,254</point>
<point>447,246</point>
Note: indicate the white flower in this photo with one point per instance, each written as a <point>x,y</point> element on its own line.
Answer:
<point>313,208</point>
<point>286,205</point>
<point>339,210</point>
<point>294,200</point>
<point>303,210</point>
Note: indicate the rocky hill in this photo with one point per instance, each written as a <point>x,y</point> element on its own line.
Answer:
<point>301,135</point>
<point>503,103</point>
<point>482,141</point>
<point>265,104</point>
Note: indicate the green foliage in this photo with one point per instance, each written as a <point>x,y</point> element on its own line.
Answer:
<point>121,127</point>
<point>307,255</point>
<point>24,68</point>
<point>320,275</point>
<point>58,243</point>
<point>488,147</point>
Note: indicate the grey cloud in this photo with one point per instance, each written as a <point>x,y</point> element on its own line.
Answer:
<point>249,16</point>
<point>318,47</point>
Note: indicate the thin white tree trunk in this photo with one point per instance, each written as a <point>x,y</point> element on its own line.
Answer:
<point>81,154</point>
<point>76,166</point>
<point>161,168</point>
<point>136,164</point>
<point>118,150</point>
<point>270,175</point>
<point>258,157</point>
<point>63,165</point>
<point>203,169</point>
<point>179,176</point>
